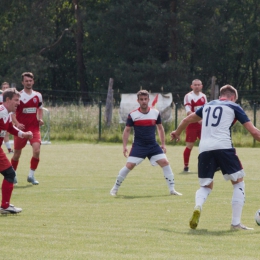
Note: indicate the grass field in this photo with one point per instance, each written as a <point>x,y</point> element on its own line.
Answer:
<point>71,215</point>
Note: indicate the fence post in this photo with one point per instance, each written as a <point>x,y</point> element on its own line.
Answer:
<point>254,120</point>
<point>176,115</point>
<point>100,118</point>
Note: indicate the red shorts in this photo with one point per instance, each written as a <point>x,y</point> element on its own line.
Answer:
<point>193,132</point>
<point>20,143</point>
<point>5,163</point>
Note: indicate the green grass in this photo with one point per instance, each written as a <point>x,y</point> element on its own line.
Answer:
<point>71,215</point>
<point>81,124</point>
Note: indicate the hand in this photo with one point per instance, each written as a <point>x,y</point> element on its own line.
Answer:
<point>174,136</point>
<point>20,126</point>
<point>163,148</point>
<point>125,152</point>
<point>40,122</point>
<point>28,135</point>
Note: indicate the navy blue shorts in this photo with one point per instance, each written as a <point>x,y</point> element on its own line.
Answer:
<point>226,159</point>
<point>143,151</point>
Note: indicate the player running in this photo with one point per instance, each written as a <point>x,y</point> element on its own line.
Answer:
<point>216,150</point>
<point>192,102</point>
<point>10,103</point>
<point>28,117</point>
<point>144,120</point>
<point>4,86</point>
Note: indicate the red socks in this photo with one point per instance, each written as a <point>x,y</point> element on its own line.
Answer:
<point>186,156</point>
<point>14,164</point>
<point>7,188</point>
<point>34,163</point>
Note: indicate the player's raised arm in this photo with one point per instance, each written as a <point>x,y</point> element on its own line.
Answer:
<point>192,118</point>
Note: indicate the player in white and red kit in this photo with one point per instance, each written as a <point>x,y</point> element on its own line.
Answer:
<point>10,103</point>
<point>28,117</point>
<point>4,86</point>
<point>216,151</point>
<point>192,101</point>
<point>144,120</point>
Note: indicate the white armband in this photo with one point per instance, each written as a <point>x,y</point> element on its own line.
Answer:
<point>20,134</point>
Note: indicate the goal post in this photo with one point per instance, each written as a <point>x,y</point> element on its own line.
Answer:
<point>45,129</point>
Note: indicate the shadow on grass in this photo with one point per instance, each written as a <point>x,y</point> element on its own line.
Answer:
<point>205,232</point>
<point>139,197</point>
<point>187,173</point>
<point>23,187</point>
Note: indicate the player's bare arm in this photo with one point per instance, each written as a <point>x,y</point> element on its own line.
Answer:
<point>27,135</point>
<point>161,133</point>
<point>16,123</point>
<point>192,118</point>
<point>40,116</point>
<point>252,130</point>
<point>126,134</point>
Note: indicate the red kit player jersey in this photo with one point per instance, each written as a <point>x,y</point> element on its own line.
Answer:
<point>26,112</point>
<point>193,102</point>
<point>6,124</point>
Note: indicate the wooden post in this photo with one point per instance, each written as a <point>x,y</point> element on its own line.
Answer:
<point>212,92</point>
<point>109,103</point>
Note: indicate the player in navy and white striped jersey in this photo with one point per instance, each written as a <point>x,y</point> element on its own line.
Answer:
<point>144,120</point>
<point>216,150</point>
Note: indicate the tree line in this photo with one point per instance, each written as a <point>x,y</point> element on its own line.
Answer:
<point>158,45</point>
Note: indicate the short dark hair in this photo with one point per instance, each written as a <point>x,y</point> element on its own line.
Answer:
<point>9,93</point>
<point>27,74</point>
<point>142,92</point>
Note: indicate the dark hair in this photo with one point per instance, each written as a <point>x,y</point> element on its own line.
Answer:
<point>9,93</point>
<point>27,74</point>
<point>142,93</point>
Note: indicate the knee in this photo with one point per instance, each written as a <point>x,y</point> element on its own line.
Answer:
<point>9,174</point>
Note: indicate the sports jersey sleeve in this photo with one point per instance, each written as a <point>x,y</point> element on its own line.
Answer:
<point>187,102</point>
<point>40,101</point>
<point>199,112</point>
<point>11,129</point>
<point>159,119</point>
<point>129,121</point>
<point>240,114</point>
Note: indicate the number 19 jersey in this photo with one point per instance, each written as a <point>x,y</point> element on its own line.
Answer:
<point>218,118</point>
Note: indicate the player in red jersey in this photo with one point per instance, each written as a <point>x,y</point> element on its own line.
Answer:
<point>28,117</point>
<point>10,104</point>
<point>193,101</point>
<point>4,86</point>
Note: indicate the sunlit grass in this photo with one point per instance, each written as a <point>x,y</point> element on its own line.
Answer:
<point>81,123</point>
<point>70,214</point>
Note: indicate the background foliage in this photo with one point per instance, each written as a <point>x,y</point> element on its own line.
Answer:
<point>161,46</point>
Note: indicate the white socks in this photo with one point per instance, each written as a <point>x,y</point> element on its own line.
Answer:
<point>7,144</point>
<point>120,178</point>
<point>201,195</point>
<point>31,173</point>
<point>238,201</point>
<point>168,175</point>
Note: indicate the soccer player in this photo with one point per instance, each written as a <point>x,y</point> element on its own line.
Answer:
<point>10,103</point>
<point>216,150</point>
<point>193,101</point>
<point>4,86</point>
<point>28,117</point>
<point>144,120</point>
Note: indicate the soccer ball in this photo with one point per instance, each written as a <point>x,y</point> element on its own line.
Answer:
<point>257,217</point>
